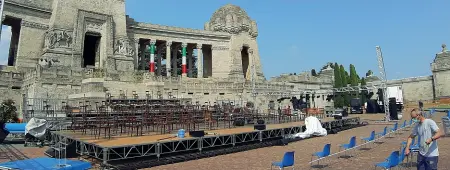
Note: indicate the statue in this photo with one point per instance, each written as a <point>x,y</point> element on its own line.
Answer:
<point>444,48</point>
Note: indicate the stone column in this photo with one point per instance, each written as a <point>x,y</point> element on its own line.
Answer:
<point>183,61</point>
<point>136,55</point>
<point>190,62</point>
<point>199,61</point>
<point>168,45</point>
<point>152,56</point>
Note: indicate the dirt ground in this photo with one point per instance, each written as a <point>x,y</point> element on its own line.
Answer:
<point>260,159</point>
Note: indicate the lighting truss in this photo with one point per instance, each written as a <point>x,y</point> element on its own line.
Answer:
<point>383,82</point>
<point>371,87</point>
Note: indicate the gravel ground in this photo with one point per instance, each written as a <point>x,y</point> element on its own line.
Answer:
<point>260,159</point>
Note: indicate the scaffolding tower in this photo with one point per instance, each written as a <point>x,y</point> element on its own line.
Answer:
<point>383,82</point>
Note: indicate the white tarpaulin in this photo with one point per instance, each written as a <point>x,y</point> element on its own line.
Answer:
<point>36,127</point>
<point>313,128</point>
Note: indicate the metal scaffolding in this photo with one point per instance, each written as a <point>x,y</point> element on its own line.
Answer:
<point>371,87</point>
<point>383,82</point>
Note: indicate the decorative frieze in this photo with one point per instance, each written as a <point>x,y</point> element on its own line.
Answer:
<point>36,25</point>
<point>58,39</point>
<point>123,47</point>
<point>220,48</point>
<point>94,27</point>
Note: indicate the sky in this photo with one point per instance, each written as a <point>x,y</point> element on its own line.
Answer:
<point>299,35</point>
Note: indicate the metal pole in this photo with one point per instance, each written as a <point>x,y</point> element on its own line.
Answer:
<point>1,17</point>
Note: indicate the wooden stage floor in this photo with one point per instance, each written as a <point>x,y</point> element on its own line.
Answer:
<point>128,140</point>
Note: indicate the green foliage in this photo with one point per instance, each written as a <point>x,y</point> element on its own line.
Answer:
<point>343,78</point>
<point>369,73</point>
<point>344,81</point>
<point>8,112</point>
<point>364,92</point>
<point>313,72</point>
<point>354,80</point>
<point>337,84</point>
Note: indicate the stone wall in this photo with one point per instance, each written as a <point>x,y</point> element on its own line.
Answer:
<point>415,88</point>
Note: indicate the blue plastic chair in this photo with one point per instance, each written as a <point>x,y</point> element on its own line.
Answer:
<point>448,113</point>
<point>410,122</point>
<point>391,161</point>
<point>402,155</point>
<point>395,128</point>
<point>383,133</point>
<point>288,160</point>
<point>403,125</point>
<point>325,152</point>
<point>405,142</point>
<point>370,138</point>
<point>350,145</point>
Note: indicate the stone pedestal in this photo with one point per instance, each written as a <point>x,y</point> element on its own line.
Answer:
<point>92,89</point>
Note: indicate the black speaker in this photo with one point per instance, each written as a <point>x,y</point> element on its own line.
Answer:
<point>260,121</point>
<point>393,108</point>
<point>197,133</point>
<point>3,134</point>
<point>239,122</point>
<point>260,127</point>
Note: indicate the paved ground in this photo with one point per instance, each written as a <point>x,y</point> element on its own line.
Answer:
<point>260,159</point>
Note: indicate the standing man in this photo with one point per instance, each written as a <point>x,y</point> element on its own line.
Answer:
<point>428,132</point>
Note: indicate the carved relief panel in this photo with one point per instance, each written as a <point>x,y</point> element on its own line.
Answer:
<point>58,39</point>
<point>95,27</point>
<point>122,46</point>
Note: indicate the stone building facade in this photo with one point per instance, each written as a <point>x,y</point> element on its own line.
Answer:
<point>85,49</point>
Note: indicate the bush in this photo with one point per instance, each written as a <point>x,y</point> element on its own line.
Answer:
<point>8,111</point>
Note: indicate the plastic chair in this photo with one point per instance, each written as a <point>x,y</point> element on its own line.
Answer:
<point>406,142</point>
<point>325,152</point>
<point>350,145</point>
<point>370,138</point>
<point>395,128</point>
<point>402,155</point>
<point>383,133</point>
<point>448,113</point>
<point>403,125</point>
<point>391,161</point>
<point>288,160</point>
<point>410,122</point>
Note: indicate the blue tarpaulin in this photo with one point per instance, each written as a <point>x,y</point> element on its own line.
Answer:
<point>45,163</point>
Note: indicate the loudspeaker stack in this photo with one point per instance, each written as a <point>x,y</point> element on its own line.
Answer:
<point>260,125</point>
<point>393,108</point>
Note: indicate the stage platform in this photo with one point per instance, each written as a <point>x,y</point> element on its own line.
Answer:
<point>120,148</point>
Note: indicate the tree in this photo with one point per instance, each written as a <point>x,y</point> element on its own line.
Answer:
<point>347,77</point>
<point>369,73</point>
<point>363,92</point>
<point>344,83</point>
<point>313,72</point>
<point>337,84</point>
<point>8,112</point>
<point>354,79</point>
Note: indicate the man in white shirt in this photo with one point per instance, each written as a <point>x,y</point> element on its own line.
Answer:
<point>428,132</point>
